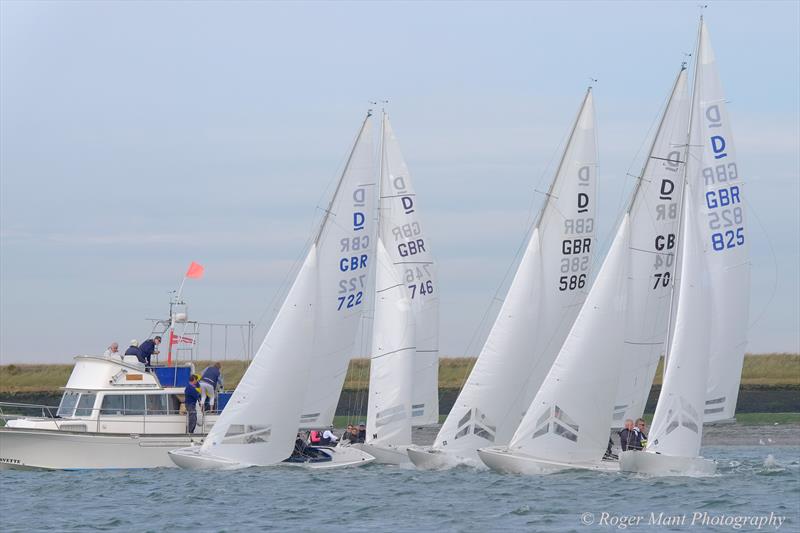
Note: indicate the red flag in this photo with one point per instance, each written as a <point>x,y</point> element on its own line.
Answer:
<point>195,271</point>
<point>179,339</point>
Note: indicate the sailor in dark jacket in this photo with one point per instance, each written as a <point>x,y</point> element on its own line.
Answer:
<point>133,349</point>
<point>191,397</point>
<point>148,348</point>
<point>628,437</point>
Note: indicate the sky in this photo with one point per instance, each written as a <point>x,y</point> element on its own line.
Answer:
<point>136,137</point>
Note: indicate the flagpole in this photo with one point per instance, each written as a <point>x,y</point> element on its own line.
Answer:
<point>172,322</point>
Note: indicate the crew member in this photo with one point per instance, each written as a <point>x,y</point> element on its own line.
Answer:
<point>148,348</point>
<point>191,396</point>
<point>113,351</point>
<point>133,349</point>
<point>210,382</point>
<point>628,439</point>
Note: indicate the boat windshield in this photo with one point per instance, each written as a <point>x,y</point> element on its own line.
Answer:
<point>85,405</point>
<point>68,403</point>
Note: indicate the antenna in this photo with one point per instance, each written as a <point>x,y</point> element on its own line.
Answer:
<point>687,56</point>
<point>592,81</point>
<point>381,102</point>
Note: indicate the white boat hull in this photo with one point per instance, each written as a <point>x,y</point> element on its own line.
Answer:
<point>658,464</point>
<point>434,459</point>
<point>341,457</point>
<point>65,450</point>
<point>500,459</point>
<point>190,458</point>
<point>386,453</point>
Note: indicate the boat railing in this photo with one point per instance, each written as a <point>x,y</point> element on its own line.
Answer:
<point>13,410</point>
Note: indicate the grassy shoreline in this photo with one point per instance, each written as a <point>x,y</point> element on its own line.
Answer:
<point>766,370</point>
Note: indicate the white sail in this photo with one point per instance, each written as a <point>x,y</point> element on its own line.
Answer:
<point>259,423</point>
<point>543,300</point>
<point>654,224</point>
<point>724,231</point>
<point>392,360</point>
<point>678,421</point>
<point>569,418</point>
<point>409,247</point>
<point>345,254</point>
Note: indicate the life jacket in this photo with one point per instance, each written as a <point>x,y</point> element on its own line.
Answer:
<point>315,437</point>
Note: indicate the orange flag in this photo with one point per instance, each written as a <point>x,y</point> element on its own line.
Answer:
<point>195,271</point>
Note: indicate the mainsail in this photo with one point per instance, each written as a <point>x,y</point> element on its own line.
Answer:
<point>392,359</point>
<point>654,213</point>
<point>678,421</point>
<point>345,254</point>
<point>408,246</point>
<point>543,300</point>
<point>721,197</point>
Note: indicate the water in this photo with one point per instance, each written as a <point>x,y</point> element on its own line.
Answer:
<point>753,480</point>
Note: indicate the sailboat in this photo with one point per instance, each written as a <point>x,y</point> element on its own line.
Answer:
<point>567,424</point>
<point>714,290</point>
<point>403,386</point>
<point>310,340</point>
<point>543,300</point>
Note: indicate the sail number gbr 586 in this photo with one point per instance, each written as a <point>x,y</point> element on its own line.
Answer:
<point>576,247</point>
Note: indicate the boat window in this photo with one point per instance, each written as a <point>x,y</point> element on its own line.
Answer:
<point>174,404</point>
<point>112,404</point>
<point>156,404</point>
<point>68,403</point>
<point>85,405</point>
<point>134,404</point>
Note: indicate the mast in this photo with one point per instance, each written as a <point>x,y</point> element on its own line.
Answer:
<point>655,139</point>
<point>682,205</point>
<point>563,157</point>
<point>341,178</point>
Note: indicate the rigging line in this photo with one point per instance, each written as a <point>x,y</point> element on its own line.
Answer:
<point>374,357</point>
<point>774,256</point>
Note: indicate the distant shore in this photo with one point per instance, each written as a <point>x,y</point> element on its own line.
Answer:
<point>770,383</point>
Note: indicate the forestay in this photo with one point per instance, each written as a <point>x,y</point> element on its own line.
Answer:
<point>409,248</point>
<point>345,253</point>
<point>545,295</point>
<point>392,360</point>
<point>724,232</point>
<point>654,213</point>
<point>259,423</point>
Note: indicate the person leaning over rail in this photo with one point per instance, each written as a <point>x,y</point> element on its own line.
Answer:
<point>210,382</point>
<point>147,349</point>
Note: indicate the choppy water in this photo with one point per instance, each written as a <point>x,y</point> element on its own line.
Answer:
<point>754,480</point>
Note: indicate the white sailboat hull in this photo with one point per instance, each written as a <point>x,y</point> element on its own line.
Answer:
<point>500,459</point>
<point>658,464</point>
<point>340,457</point>
<point>65,450</point>
<point>190,458</point>
<point>433,459</point>
<point>385,453</point>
